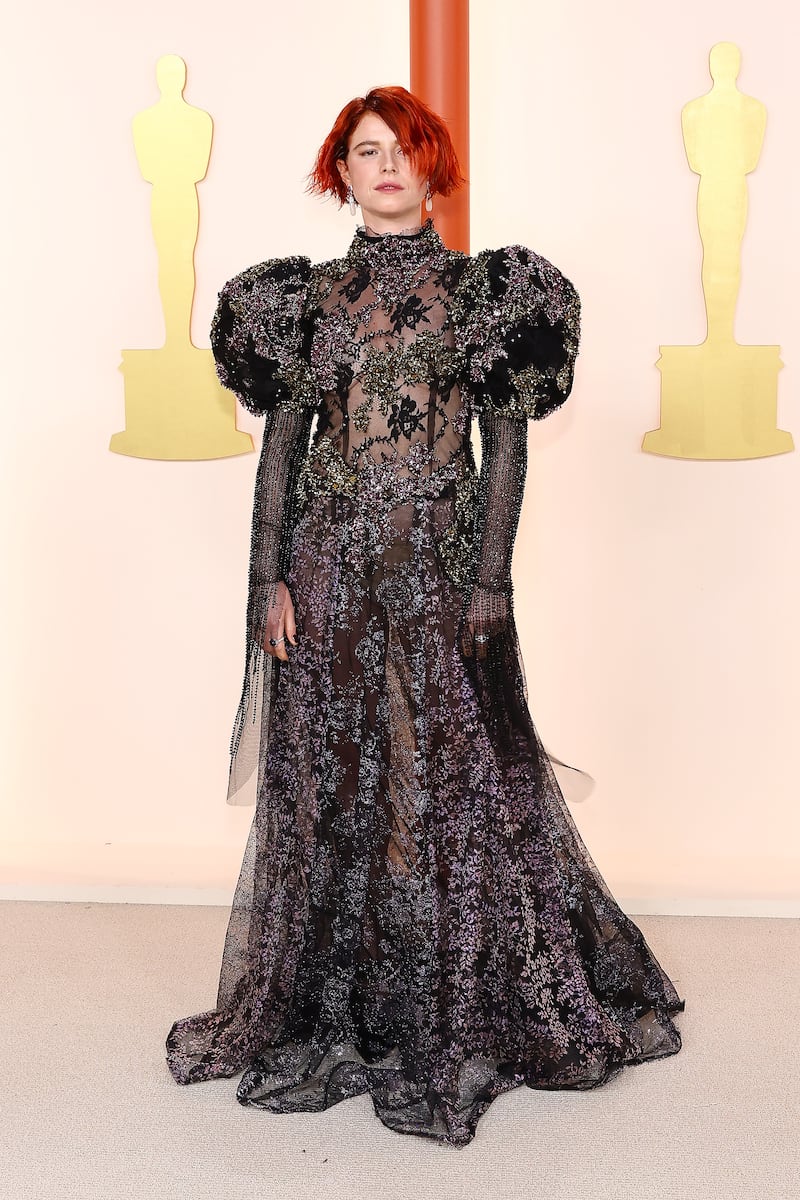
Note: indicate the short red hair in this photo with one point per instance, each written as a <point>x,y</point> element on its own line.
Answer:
<point>421,133</point>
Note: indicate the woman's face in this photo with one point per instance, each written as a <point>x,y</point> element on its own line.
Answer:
<point>384,184</point>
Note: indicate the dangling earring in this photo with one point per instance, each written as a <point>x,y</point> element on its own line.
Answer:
<point>428,198</point>
<point>351,201</point>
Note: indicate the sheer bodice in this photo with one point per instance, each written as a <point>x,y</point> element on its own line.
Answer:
<point>384,355</point>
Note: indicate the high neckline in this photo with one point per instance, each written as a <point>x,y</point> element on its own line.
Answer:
<point>410,247</point>
<point>414,231</point>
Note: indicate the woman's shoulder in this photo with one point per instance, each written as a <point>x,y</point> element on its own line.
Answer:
<point>513,269</point>
<point>517,321</point>
<point>275,278</point>
<point>512,286</point>
<point>278,279</point>
<point>332,268</point>
<point>257,334</point>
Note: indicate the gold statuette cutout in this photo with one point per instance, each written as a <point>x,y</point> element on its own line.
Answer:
<point>175,408</point>
<point>719,400</point>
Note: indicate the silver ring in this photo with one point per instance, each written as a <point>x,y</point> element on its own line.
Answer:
<point>481,637</point>
<point>275,641</point>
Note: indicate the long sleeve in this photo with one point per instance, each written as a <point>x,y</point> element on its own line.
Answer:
<point>260,338</point>
<point>285,445</point>
<point>517,322</point>
<point>504,460</point>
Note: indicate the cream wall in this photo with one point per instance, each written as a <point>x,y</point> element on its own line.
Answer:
<point>656,599</point>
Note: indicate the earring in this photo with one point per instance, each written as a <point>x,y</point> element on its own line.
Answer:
<point>428,199</point>
<point>351,201</point>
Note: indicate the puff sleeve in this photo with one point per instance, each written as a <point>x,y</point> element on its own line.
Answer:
<point>517,321</point>
<point>517,325</point>
<point>259,336</point>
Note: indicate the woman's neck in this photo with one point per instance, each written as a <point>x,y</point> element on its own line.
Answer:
<point>378,224</point>
<point>371,231</point>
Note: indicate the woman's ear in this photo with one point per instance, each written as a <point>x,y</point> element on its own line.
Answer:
<point>341,167</point>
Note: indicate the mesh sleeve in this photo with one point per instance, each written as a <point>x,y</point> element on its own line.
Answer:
<point>504,461</point>
<point>284,448</point>
<point>285,444</point>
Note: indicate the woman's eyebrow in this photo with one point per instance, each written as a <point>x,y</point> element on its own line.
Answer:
<point>369,142</point>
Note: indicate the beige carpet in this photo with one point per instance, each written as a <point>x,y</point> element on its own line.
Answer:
<point>89,1110</point>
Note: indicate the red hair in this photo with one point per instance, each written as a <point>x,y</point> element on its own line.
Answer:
<point>422,134</point>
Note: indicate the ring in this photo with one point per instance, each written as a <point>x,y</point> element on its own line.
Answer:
<point>481,637</point>
<point>274,641</point>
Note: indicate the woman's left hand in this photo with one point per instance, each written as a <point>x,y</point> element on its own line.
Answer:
<point>486,616</point>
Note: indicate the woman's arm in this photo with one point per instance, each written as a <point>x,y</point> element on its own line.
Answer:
<point>270,609</point>
<point>504,461</point>
<point>517,320</point>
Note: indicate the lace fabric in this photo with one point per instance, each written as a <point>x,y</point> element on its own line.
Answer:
<point>416,915</point>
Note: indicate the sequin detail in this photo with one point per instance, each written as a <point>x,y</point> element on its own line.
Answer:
<point>416,915</point>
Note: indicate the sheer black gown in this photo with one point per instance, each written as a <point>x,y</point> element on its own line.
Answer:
<point>417,916</point>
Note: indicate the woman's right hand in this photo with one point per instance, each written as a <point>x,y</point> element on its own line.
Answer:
<point>280,623</point>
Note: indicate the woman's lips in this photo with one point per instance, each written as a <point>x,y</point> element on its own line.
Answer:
<point>388,187</point>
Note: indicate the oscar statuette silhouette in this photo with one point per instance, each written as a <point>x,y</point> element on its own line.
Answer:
<point>719,399</point>
<point>175,408</point>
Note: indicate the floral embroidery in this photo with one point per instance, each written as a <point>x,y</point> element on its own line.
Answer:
<point>416,916</point>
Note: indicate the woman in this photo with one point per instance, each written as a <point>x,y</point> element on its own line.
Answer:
<point>417,916</point>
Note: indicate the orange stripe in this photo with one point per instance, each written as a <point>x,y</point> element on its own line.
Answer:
<point>440,77</point>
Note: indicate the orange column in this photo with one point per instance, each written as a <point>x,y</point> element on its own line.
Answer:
<point>440,77</point>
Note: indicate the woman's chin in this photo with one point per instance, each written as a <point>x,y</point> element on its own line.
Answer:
<point>392,208</point>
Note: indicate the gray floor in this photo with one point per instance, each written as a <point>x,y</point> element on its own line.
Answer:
<point>89,1109</point>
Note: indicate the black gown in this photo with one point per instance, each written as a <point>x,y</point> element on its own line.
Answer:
<point>417,916</point>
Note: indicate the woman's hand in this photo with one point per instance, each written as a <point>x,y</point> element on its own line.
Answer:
<point>280,623</point>
<point>486,616</point>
